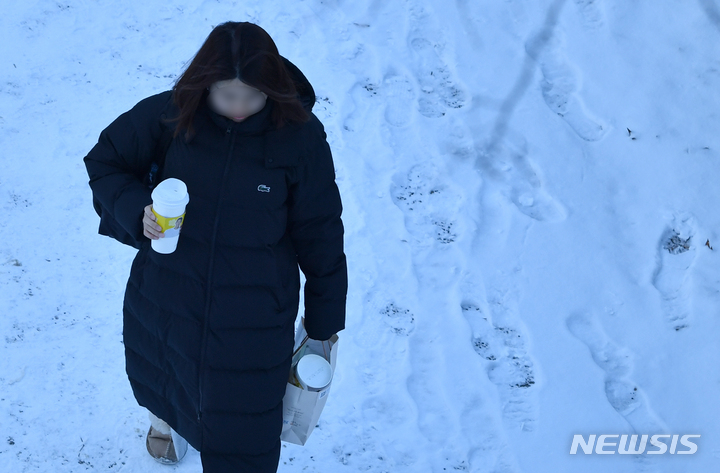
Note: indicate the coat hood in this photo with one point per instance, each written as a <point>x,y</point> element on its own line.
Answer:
<point>306,94</point>
<point>259,121</point>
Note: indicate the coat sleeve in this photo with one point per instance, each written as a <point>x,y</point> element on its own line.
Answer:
<point>317,234</point>
<point>116,166</point>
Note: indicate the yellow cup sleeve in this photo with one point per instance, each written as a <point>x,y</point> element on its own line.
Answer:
<point>169,223</point>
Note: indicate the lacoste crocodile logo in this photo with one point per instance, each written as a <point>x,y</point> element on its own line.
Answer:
<point>263,188</point>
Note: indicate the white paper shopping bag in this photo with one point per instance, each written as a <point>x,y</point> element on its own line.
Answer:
<point>301,407</point>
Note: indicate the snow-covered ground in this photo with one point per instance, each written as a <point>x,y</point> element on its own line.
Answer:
<point>511,173</point>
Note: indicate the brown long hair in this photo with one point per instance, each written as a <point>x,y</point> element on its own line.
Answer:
<point>244,51</point>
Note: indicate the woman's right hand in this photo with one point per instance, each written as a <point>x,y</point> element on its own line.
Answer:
<point>151,229</point>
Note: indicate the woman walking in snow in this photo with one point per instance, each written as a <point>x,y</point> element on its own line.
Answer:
<point>209,329</point>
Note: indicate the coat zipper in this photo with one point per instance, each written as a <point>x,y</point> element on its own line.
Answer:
<point>203,347</point>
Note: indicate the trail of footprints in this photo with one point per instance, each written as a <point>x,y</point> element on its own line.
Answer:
<point>425,199</point>
<point>421,195</point>
<point>438,92</point>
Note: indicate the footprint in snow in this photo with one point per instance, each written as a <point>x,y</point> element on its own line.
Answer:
<point>399,94</point>
<point>507,362</point>
<point>387,418</point>
<point>591,13</point>
<point>396,94</point>
<point>378,306</point>
<point>622,393</point>
<point>676,254</point>
<point>559,87</point>
<point>440,91</point>
<point>428,204</point>
<point>400,320</point>
<point>524,185</point>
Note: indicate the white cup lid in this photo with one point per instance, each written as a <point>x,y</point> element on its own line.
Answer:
<point>171,191</point>
<point>314,371</point>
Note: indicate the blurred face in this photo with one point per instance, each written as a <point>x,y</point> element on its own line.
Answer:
<point>235,99</point>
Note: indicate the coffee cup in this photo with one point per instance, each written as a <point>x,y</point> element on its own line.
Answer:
<point>313,372</point>
<point>170,198</point>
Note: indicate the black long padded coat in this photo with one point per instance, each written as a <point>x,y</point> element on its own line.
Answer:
<point>208,330</point>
